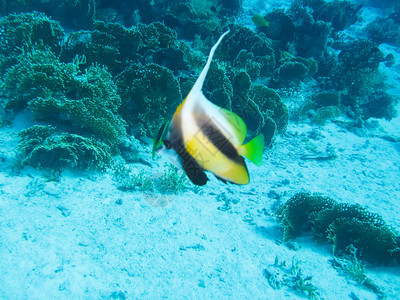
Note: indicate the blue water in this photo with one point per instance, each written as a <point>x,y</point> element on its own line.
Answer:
<point>279,179</point>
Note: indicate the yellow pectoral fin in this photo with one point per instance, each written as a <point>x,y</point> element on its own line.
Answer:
<point>253,150</point>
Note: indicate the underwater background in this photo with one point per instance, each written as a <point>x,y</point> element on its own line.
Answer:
<point>87,213</point>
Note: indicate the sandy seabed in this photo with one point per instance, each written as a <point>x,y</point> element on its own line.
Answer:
<point>81,237</point>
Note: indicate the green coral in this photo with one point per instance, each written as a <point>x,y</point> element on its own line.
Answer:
<point>294,214</point>
<point>323,114</point>
<point>150,96</point>
<point>19,32</point>
<point>249,51</point>
<point>281,275</point>
<point>260,107</point>
<point>326,105</point>
<point>361,83</point>
<point>109,44</point>
<point>295,68</point>
<point>37,74</point>
<point>173,180</point>
<point>326,98</point>
<point>355,270</point>
<point>127,180</point>
<point>241,37</point>
<point>190,18</point>
<point>241,83</point>
<point>60,92</point>
<point>43,147</point>
<point>217,86</point>
<point>116,46</point>
<point>271,105</point>
<point>341,225</point>
<point>82,10</point>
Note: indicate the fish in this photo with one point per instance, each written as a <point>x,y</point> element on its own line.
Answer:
<point>259,20</point>
<point>203,137</point>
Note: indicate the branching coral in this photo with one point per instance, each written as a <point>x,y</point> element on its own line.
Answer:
<point>41,146</point>
<point>217,86</point>
<point>362,84</point>
<point>109,44</point>
<point>150,95</point>
<point>384,30</point>
<point>173,180</point>
<point>19,32</point>
<point>294,214</point>
<point>59,92</point>
<point>280,275</point>
<point>37,74</point>
<point>83,10</point>
<point>116,47</point>
<point>249,51</point>
<point>323,114</point>
<point>190,18</point>
<point>311,35</point>
<point>326,105</point>
<point>127,180</point>
<point>261,108</point>
<point>340,14</point>
<point>271,105</point>
<point>294,69</point>
<point>341,225</point>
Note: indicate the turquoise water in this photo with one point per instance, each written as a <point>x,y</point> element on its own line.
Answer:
<point>275,173</point>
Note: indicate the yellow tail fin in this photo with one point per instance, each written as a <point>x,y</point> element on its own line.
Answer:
<point>253,150</point>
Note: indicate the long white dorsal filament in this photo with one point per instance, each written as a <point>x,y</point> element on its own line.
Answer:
<point>200,80</point>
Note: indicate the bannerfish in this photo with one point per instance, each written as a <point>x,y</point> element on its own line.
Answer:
<point>259,20</point>
<point>205,137</point>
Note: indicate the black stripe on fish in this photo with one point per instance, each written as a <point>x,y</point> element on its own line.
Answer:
<point>215,136</point>
<point>192,168</point>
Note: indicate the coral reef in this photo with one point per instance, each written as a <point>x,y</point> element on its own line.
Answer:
<point>150,96</point>
<point>109,44</point>
<point>249,51</point>
<point>323,114</point>
<point>102,74</point>
<point>191,17</point>
<point>280,275</point>
<point>362,84</point>
<point>43,147</point>
<point>22,32</point>
<point>127,180</point>
<point>271,106</point>
<point>311,35</point>
<point>217,85</point>
<point>116,47</point>
<point>62,10</point>
<point>355,270</point>
<point>341,225</point>
<point>294,214</point>
<point>61,93</point>
<point>294,69</point>
<point>173,180</point>
<point>322,107</point>
<point>340,14</point>
<point>385,29</point>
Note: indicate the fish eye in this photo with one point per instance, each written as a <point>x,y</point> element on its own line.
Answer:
<point>167,144</point>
